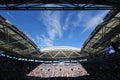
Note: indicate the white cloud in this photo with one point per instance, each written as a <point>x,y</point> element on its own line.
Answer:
<point>43,41</point>
<point>51,20</point>
<point>71,22</point>
<point>9,14</point>
<point>67,21</point>
<point>80,17</point>
<point>55,29</point>
<point>93,22</point>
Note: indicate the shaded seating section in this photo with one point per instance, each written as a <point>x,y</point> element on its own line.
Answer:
<point>101,68</point>
<point>104,68</point>
<point>11,69</point>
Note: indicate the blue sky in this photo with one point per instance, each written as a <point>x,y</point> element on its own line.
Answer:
<point>56,28</point>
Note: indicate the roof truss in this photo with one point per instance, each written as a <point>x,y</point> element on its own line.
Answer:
<point>59,5</point>
<point>105,33</point>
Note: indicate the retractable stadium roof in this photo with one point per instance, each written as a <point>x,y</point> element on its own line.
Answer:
<point>15,43</point>
<point>103,35</point>
<point>59,4</point>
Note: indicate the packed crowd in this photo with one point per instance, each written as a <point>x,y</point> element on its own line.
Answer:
<point>59,70</point>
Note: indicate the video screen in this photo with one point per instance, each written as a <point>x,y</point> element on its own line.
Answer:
<point>109,50</point>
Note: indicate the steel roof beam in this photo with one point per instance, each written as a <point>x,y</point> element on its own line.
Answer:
<point>107,36</point>
<point>73,5</point>
<point>60,8</point>
<point>107,2</point>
